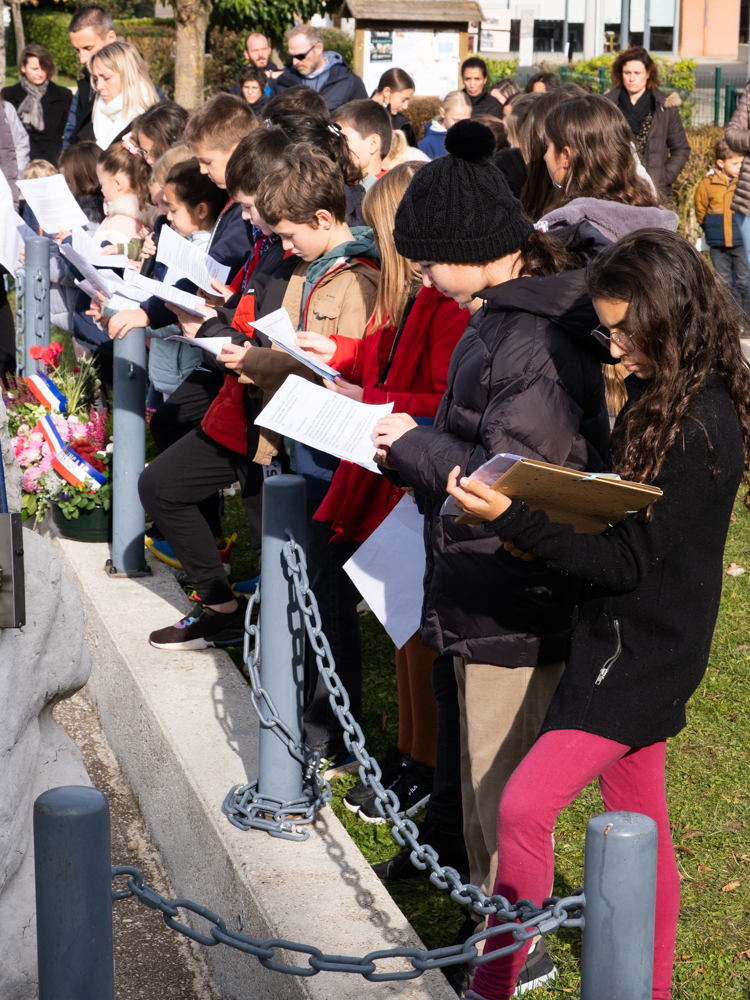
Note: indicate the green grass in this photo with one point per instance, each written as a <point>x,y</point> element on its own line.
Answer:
<point>707,781</point>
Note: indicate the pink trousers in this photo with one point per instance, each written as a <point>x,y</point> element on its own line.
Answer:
<point>560,764</point>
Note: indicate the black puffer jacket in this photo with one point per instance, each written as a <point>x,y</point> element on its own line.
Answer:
<point>647,614</point>
<point>524,379</point>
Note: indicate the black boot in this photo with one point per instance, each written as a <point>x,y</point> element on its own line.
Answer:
<point>449,846</point>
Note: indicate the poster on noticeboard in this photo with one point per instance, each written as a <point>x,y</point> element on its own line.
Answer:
<point>381,46</point>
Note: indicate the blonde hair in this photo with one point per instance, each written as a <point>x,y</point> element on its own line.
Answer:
<point>39,168</point>
<point>138,92</point>
<point>397,277</point>
<point>451,101</point>
<point>174,155</point>
<point>402,152</point>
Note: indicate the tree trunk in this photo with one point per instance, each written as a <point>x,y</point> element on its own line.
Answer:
<point>15,7</point>
<point>2,44</point>
<point>192,21</point>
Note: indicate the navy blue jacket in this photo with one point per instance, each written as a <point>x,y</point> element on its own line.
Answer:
<point>231,244</point>
<point>339,86</point>
<point>433,143</point>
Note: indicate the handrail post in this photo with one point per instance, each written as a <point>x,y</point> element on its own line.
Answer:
<point>717,97</point>
<point>73,871</point>
<point>619,883</point>
<point>282,630</point>
<point>129,456</point>
<point>36,330</point>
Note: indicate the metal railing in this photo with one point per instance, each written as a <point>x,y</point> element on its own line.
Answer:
<point>72,840</point>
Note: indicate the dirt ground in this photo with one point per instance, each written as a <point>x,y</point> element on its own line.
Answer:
<point>152,962</point>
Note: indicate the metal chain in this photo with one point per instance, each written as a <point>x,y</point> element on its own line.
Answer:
<point>20,279</point>
<point>521,922</point>
<point>244,806</point>
<point>40,296</point>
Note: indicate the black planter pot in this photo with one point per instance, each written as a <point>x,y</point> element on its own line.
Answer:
<point>90,526</point>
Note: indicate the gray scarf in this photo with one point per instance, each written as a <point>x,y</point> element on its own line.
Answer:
<point>30,109</point>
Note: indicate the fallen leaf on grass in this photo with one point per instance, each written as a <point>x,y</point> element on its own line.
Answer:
<point>730,886</point>
<point>692,833</point>
<point>744,954</point>
<point>743,648</point>
<point>704,868</point>
<point>744,857</point>
<point>686,850</point>
<point>683,958</point>
<point>732,517</point>
<point>735,570</point>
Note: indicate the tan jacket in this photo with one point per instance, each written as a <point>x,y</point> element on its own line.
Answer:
<point>341,302</point>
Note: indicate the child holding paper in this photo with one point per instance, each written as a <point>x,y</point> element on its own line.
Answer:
<point>647,615</point>
<point>123,177</point>
<point>222,450</point>
<point>404,360</point>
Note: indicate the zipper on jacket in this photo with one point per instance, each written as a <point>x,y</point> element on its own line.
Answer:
<point>608,663</point>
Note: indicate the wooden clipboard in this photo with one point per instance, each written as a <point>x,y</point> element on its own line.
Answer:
<point>591,505</point>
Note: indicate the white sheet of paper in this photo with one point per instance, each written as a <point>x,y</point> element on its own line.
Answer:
<point>140,287</point>
<point>52,202</point>
<point>213,345</point>
<point>278,327</point>
<point>88,249</point>
<point>489,473</point>
<point>13,234</point>
<point>87,288</point>
<point>322,419</point>
<point>388,571</point>
<point>175,251</point>
<point>96,278</point>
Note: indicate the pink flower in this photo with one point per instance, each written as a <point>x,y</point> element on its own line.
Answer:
<point>30,482</point>
<point>46,463</point>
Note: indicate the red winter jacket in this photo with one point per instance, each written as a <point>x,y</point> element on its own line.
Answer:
<point>357,500</point>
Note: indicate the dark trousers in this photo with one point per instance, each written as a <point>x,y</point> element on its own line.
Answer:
<point>172,489</point>
<point>7,336</point>
<point>182,413</point>
<point>730,263</point>
<point>337,599</point>
<point>444,808</point>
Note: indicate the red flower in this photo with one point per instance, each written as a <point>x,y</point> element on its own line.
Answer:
<point>36,353</point>
<point>48,355</point>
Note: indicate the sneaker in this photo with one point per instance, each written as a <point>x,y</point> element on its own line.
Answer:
<point>246,588</point>
<point>198,630</point>
<point>413,786</point>
<point>340,763</point>
<point>537,969</point>
<point>163,551</point>
<point>390,768</point>
<point>451,851</point>
<point>459,976</point>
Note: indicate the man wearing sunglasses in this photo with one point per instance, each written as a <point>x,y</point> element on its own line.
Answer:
<point>311,66</point>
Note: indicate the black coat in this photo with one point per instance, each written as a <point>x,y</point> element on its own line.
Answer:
<point>340,87</point>
<point>521,380</point>
<point>647,616</point>
<point>667,147</point>
<point>485,104</point>
<point>46,145</point>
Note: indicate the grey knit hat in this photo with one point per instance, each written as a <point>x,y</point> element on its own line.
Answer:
<point>458,209</point>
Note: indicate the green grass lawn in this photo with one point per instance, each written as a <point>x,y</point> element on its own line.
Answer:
<point>707,780</point>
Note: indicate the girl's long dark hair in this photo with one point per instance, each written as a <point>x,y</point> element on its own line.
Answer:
<point>682,317</point>
<point>322,135</point>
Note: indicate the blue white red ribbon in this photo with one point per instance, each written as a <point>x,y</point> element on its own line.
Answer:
<point>47,392</point>
<point>75,470</point>
<point>46,426</point>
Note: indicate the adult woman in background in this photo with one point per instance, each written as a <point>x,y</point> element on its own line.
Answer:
<point>41,104</point>
<point>124,90</point>
<point>658,132</point>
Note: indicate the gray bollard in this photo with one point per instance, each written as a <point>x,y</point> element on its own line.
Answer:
<point>73,868</point>
<point>283,634</point>
<point>35,299</point>
<point>619,881</point>
<point>129,457</point>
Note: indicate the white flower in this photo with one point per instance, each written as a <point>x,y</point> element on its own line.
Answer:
<point>110,448</point>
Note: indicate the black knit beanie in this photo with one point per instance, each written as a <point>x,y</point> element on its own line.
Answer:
<point>458,208</point>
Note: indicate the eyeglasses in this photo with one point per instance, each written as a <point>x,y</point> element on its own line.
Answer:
<point>302,55</point>
<point>618,339</point>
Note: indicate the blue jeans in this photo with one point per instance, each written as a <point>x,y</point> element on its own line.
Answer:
<point>745,230</point>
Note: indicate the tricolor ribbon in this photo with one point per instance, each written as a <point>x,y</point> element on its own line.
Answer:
<point>75,470</point>
<point>46,392</point>
<point>46,426</point>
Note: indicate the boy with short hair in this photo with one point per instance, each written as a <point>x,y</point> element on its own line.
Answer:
<point>331,290</point>
<point>713,201</point>
<point>369,131</point>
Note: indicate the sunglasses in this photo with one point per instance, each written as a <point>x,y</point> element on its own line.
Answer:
<point>618,339</point>
<point>302,55</point>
